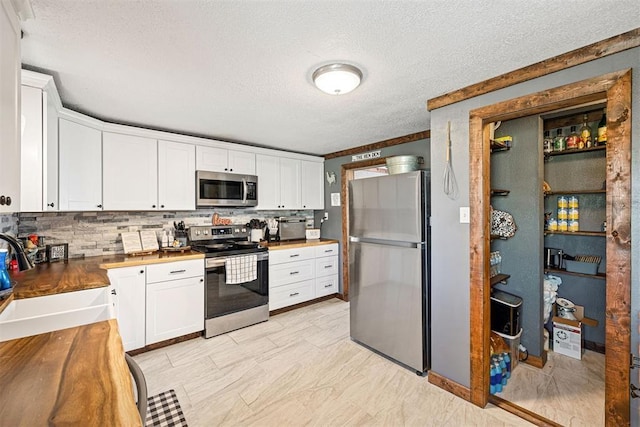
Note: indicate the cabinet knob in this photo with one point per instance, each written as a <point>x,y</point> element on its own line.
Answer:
<point>8,200</point>
<point>153,206</point>
<point>51,204</point>
<point>201,280</point>
<point>100,206</point>
<point>162,206</point>
<point>141,271</point>
<point>3,200</point>
<point>113,292</point>
<point>226,169</point>
<point>231,170</point>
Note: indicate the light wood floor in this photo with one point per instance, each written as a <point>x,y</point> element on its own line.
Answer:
<point>301,368</point>
<point>567,391</point>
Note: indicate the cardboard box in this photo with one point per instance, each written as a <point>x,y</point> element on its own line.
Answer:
<point>567,334</point>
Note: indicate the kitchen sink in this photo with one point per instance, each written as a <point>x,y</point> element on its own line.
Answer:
<point>32,316</point>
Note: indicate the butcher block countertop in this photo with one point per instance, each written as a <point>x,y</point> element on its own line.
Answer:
<point>292,244</point>
<point>78,274</point>
<point>75,376</point>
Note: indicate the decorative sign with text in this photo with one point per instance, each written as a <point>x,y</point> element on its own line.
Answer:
<point>365,156</point>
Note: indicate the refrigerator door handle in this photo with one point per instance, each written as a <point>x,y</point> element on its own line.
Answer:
<point>411,245</point>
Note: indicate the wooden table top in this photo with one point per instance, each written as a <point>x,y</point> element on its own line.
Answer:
<point>292,244</point>
<point>75,376</point>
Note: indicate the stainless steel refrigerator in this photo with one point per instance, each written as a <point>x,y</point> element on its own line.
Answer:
<point>389,266</point>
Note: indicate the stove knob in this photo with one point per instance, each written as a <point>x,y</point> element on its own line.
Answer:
<point>206,232</point>
<point>197,232</point>
<point>244,230</point>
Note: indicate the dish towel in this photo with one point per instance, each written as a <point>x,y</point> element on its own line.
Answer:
<point>241,269</point>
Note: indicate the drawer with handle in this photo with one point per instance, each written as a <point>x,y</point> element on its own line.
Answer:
<point>175,270</point>
<point>284,296</point>
<point>326,266</point>
<point>289,255</point>
<point>327,250</point>
<point>291,272</point>
<point>326,285</point>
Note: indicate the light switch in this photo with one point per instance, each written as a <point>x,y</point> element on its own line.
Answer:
<point>464,215</point>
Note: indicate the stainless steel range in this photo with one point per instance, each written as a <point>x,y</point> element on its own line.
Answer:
<point>237,277</point>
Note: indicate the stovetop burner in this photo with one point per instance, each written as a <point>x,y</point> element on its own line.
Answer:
<point>222,240</point>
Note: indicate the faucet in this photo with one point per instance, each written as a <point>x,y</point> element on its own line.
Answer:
<point>24,263</point>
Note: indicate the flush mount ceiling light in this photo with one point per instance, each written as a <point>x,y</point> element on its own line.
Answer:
<point>337,79</point>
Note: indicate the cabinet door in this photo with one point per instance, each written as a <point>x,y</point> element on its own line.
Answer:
<point>312,185</point>
<point>268,171</point>
<point>9,111</point>
<point>130,172</point>
<point>211,159</point>
<point>176,176</point>
<point>80,167</point>
<point>290,184</point>
<point>242,162</point>
<point>128,293</point>
<point>50,155</point>
<point>31,146</point>
<point>174,308</point>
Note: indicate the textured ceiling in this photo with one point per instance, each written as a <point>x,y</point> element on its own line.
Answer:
<point>241,70</point>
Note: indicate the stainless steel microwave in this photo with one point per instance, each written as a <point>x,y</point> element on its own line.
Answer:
<point>226,189</point>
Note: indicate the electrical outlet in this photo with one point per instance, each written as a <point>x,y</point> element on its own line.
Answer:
<point>464,215</point>
<point>326,216</point>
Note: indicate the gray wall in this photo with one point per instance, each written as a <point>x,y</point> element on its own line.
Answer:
<point>332,229</point>
<point>450,239</point>
<point>521,254</point>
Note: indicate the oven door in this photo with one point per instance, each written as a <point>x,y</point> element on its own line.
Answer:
<point>226,189</point>
<point>222,298</point>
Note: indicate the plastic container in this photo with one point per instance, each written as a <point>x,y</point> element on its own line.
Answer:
<point>402,164</point>
<point>506,309</point>
<point>513,341</point>
<point>581,267</point>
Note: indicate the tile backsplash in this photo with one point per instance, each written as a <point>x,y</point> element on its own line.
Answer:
<point>98,233</point>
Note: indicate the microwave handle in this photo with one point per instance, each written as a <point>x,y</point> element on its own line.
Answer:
<point>245,190</point>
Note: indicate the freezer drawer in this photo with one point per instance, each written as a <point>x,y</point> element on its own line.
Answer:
<point>389,301</point>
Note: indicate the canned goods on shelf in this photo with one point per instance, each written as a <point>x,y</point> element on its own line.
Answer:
<point>574,225</point>
<point>563,225</point>
<point>563,214</point>
<point>574,214</point>
<point>563,202</point>
<point>573,202</point>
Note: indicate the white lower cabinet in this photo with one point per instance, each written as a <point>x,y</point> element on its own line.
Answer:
<point>158,302</point>
<point>128,291</point>
<point>174,308</point>
<point>302,274</point>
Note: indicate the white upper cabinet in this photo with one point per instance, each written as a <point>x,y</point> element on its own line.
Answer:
<point>176,176</point>
<point>312,182</point>
<point>80,167</point>
<point>39,152</point>
<point>9,109</point>
<point>278,182</point>
<point>130,175</point>
<point>215,159</point>
<point>290,183</point>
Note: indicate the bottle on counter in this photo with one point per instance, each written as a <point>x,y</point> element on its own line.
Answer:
<point>559,143</point>
<point>165,239</point>
<point>5,281</point>
<point>585,134</point>
<point>573,139</point>
<point>547,142</point>
<point>602,128</point>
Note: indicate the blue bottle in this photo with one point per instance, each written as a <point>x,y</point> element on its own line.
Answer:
<point>492,374</point>
<point>503,370</point>
<point>507,360</point>
<point>498,378</point>
<point>5,281</point>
